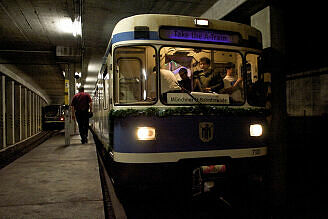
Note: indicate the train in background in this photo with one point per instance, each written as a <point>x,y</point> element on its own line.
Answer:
<point>156,133</point>
<point>53,117</point>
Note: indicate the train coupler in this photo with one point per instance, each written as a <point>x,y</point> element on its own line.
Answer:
<point>209,178</point>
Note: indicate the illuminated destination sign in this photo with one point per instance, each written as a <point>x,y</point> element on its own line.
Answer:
<point>215,36</point>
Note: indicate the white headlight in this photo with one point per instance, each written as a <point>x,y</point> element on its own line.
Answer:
<point>146,133</point>
<point>255,130</point>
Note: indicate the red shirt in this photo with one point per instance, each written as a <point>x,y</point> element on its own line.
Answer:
<point>81,101</point>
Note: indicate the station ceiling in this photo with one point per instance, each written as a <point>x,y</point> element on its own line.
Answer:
<point>36,35</point>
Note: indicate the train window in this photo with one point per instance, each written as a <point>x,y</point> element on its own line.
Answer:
<point>195,75</point>
<point>134,79</point>
<point>106,88</point>
<point>256,90</point>
<point>100,93</point>
<point>52,111</point>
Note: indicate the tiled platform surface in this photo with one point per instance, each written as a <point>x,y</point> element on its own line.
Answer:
<point>53,181</point>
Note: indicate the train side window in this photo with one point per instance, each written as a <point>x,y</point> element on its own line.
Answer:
<point>256,88</point>
<point>106,88</point>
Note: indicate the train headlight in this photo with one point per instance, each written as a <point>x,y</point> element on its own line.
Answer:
<point>146,133</point>
<point>255,130</point>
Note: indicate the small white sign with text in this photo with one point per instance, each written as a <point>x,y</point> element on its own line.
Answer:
<point>197,97</point>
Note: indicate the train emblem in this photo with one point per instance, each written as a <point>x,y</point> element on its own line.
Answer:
<point>206,131</point>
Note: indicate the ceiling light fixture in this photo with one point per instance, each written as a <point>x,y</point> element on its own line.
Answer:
<point>77,29</point>
<point>67,26</point>
<point>91,79</point>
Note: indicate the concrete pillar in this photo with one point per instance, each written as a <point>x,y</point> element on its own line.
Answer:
<point>39,114</point>
<point>23,113</point>
<point>270,22</point>
<point>42,105</point>
<point>26,113</point>
<point>71,81</point>
<point>20,113</point>
<point>3,112</point>
<point>17,112</point>
<point>71,95</point>
<point>10,114</point>
<point>33,113</point>
<point>261,21</point>
<point>69,77</point>
<point>29,113</point>
<point>222,8</point>
<point>36,113</point>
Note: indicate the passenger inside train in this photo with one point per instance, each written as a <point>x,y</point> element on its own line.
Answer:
<point>232,84</point>
<point>207,69</point>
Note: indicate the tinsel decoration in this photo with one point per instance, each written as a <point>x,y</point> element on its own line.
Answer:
<point>194,110</point>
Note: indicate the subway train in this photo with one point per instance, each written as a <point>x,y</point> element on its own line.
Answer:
<point>53,117</point>
<point>158,132</point>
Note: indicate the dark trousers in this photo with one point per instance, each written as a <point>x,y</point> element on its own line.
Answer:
<point>82,119</point>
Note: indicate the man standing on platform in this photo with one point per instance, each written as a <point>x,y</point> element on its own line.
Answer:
<point>81,103</point>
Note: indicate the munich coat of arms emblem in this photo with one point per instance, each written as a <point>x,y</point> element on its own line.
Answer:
<point>206,131</point>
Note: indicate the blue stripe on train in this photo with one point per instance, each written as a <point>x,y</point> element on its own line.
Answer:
<point>181,133</point>
<point>124,36</point>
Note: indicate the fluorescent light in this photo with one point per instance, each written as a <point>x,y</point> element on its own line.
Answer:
<point>89,86</point>
<point>94,67</point>
<point>90,79</point>
<point>201,22</point>
<point>144,94</point>
<point>66,25</point>
<point>144,74</point>
<point>77,29</point>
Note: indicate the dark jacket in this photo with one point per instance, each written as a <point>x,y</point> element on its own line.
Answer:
<point>210,79</point>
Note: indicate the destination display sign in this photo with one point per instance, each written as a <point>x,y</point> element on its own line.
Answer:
<point>197,97</point>
<point>214,36</point>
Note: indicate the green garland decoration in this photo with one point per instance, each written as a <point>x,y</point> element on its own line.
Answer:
<point>194,110</point>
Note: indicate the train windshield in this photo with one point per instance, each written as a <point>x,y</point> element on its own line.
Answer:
<point>201,76</point>
<point>52,111</point>
<point>135,75</point>
<point>187,76</point>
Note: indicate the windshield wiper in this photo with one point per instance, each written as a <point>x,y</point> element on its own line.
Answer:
<point>189,93</point>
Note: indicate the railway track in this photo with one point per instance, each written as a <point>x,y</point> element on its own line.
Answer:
<point>207,206</point>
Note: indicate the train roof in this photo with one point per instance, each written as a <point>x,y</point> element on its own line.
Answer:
<point>249,36</point>
<point>154,21</point>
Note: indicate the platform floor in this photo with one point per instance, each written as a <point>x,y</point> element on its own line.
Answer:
<point>53,181</point>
